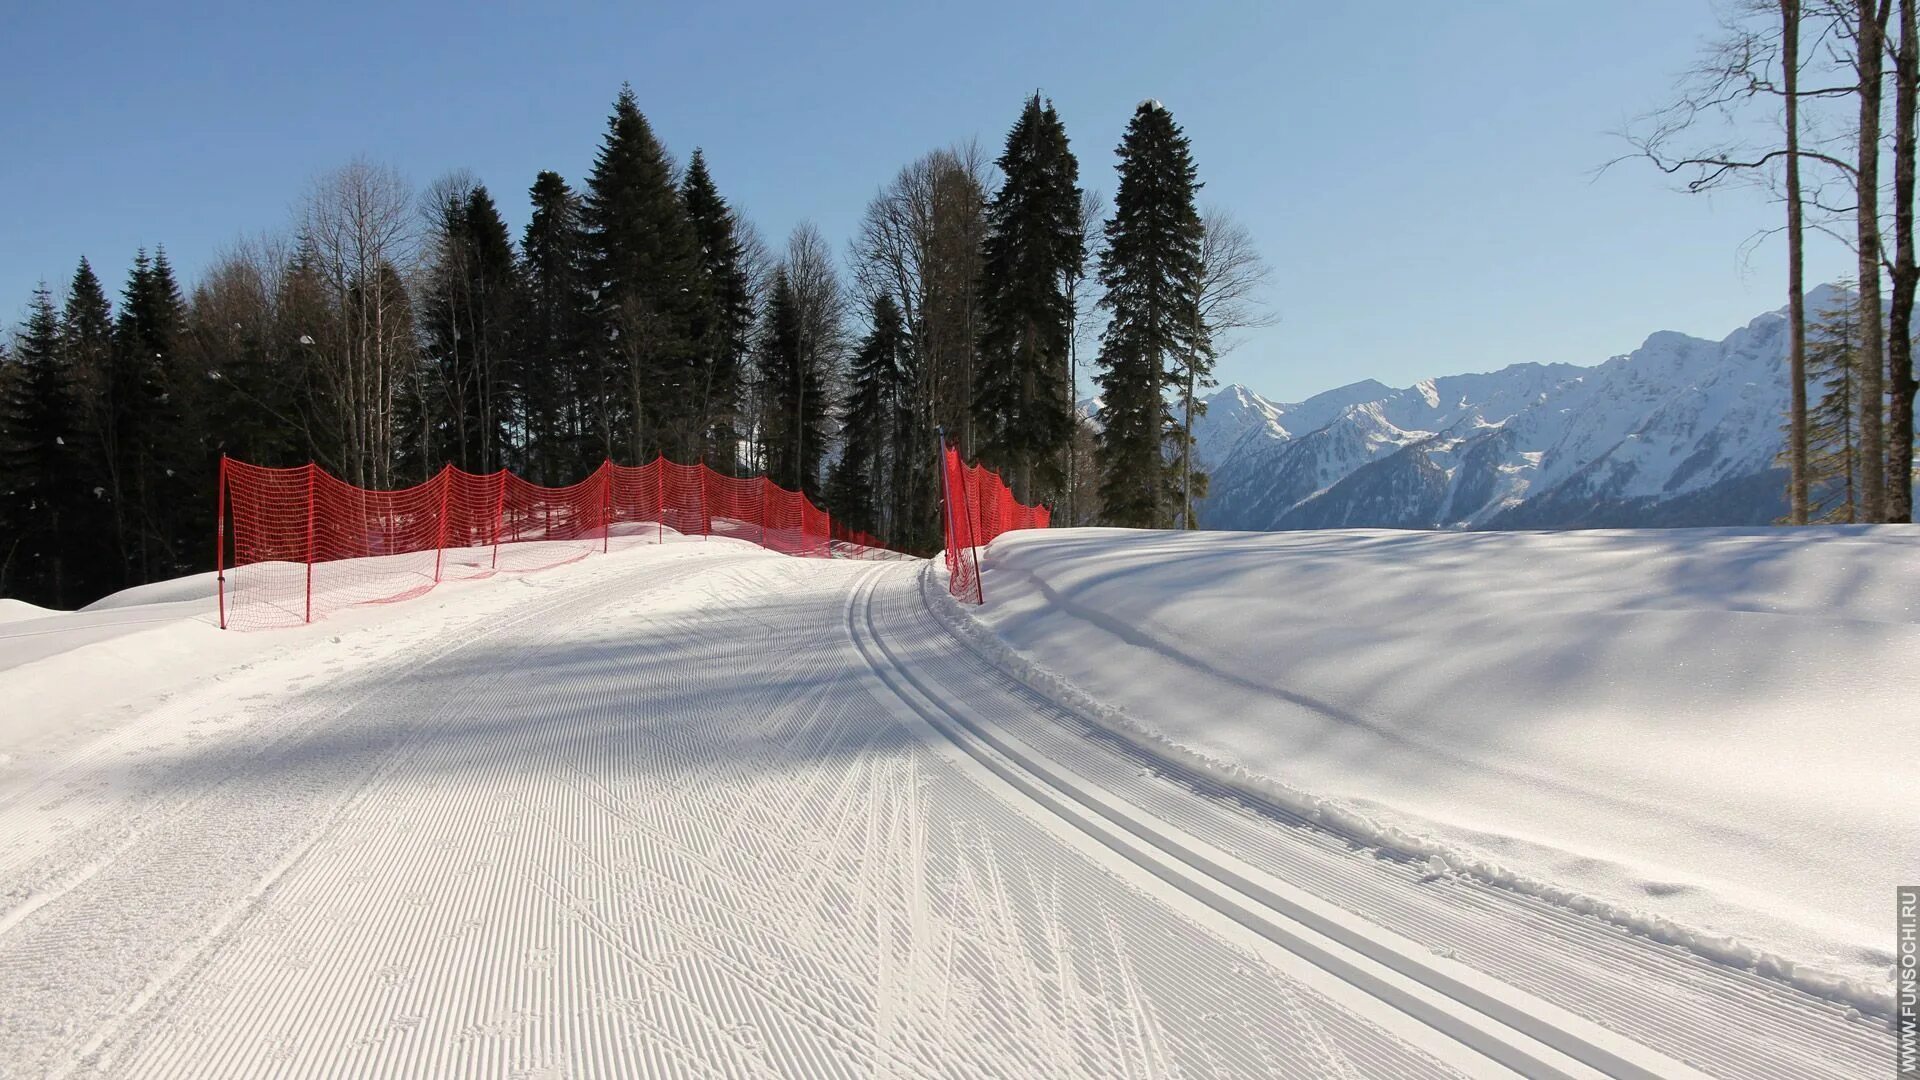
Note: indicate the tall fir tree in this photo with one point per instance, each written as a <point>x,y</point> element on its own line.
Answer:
<point>86,340</point>
<point>795,439</point>
<point>469,317</point>
<point>866,486</point>
<point>557,363</point>
<point>1151,271</point>
<point>644,278</point>
<point>41,442</point>
<point>1022,399</point>
<point>1833,423</point>
<point>158,443</point>
<point>722,323</point>
<point>250,393</point>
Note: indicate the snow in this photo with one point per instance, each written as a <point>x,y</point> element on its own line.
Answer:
<point>1684,732</point>
<point>14,610</point>
<point>648,813</point>
<point>1672,419</point>
<point>691,807</point>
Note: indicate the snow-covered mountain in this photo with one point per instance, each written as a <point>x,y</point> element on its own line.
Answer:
<point>1681,431</point>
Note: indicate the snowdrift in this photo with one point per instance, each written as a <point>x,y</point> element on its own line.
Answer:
<point>1691,733</point>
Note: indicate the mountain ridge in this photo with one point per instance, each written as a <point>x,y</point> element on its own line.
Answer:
<point>1680,431</point>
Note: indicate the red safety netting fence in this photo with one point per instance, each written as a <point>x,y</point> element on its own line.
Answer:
<point>296,543</point>
<point>979,507</point>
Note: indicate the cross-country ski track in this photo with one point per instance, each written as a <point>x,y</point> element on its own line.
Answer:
<point>696,809</point>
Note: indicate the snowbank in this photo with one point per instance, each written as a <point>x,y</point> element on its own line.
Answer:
<point>1697,734</point>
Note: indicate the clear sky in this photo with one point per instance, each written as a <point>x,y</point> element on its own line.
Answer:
<point>1419,175</point>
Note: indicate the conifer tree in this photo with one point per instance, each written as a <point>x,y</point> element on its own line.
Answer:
<point>86,341</point>
<point>158,445</point>
<point>1151,271</point>
<point>558,369</point>
<point>722,320</point>
<point>1834,460</point>
<point>795,435</point>
<point>40,466</point>
<point>469,316</point>
<point>250,391</point>
<point>644,275</point>
<point>866,483</point>
<point>1023,412</point>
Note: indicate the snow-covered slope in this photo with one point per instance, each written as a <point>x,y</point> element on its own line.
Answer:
<point>1682,431</point>
<point>1684,731</point>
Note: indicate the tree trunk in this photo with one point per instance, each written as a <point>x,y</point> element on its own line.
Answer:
<point>1796,299</point>
<point>1869,45</point>
<point>1906,276</point>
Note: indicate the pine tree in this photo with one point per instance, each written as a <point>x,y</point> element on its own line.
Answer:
<point>251,390</point>
<point>644,273</point>
<point>1022,407</point>
<point>1834,478</point>
<point>1151,272</point>
<point>102,538</point>
<point>795,436</point>
<point>157,443</point>
<point>11,531</point>
<point>40,446</point>
<point>866,484</point>
<point>723,318</point>
<point>558,370</point>
<point>470,312</point>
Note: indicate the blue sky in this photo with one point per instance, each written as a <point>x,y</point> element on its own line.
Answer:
<point>1420,176</point>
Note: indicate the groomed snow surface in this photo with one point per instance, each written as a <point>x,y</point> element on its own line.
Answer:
<point>1167,806</point>
<point>1691,732</point>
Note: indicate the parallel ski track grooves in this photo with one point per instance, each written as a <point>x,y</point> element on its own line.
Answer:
<point>1461,1011</point>
<point>695,845</point>
<point>1721,1020</point>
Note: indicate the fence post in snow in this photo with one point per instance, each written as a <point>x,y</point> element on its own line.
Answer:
<point>606,506</point>
<point>440,542</point>
<point>499,512</point>
<point>220,541</point>
<point>660,497</point>
<point>311,468</point>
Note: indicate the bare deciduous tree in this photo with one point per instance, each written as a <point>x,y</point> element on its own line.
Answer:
<point>1233,279</point>
<point>358,223</point>
<point>1079,471</point>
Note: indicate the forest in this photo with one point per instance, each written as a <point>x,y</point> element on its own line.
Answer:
<point>386,331</point>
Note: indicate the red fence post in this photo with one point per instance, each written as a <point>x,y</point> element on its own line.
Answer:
<point>660,496</point>
<point>499,512</point>
<point>310,471</point>
<point>440,541</point>
<point>606,506</point>
<point>220,541</point>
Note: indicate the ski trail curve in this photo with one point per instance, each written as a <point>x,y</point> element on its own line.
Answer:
<point>675,825</point>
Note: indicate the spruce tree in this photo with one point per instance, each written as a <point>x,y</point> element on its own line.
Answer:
<point>558,369</point>
<point>1022,400</point>
<point>250,390</point>
<point>86,340</point>
<point>644,277</point>
<point>40,466</point>
<point>1834,461</point>
<point>722,322</point>
<point>1151,271</point>
<point>470,310</point>
<point>158,445</point>
<point>795,435</point>
<point>866,484</point>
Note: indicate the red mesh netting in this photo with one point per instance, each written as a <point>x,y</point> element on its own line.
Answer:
<point>296,543</point>
<point>979,507</point>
